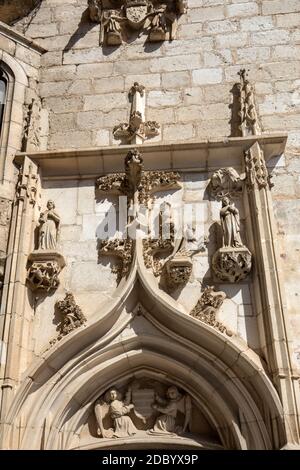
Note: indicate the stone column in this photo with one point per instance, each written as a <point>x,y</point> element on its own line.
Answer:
<point>268,290</point>
<point>15,317</point>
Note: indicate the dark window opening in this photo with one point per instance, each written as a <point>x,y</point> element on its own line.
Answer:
<point>3,86</point>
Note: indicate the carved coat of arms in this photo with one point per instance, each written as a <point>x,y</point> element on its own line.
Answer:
<point>136,13</point>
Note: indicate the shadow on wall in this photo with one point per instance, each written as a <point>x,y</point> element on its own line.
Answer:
<point>13,10</point>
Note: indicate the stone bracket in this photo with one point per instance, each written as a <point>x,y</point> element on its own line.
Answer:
<point>44,269</point>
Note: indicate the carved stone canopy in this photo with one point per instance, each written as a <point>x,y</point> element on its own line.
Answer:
<point>120,18</point>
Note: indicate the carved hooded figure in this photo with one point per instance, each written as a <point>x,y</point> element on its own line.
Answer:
<point>230,223</point>
<point>49,228</point>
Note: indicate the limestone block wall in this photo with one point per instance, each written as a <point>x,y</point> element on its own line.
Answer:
<point>84,87</point>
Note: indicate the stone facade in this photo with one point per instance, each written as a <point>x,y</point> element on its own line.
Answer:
<point>91,317</point>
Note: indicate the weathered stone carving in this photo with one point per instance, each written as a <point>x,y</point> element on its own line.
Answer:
<point>230,223</point>
<point>31,132</point>
<point>49,228</point>
<point>232,262</point>
<point>169,407</point>
<point>207,308</point>
<point>138,185</point>
<point>27,186</point>
<point>122,249</point>
<point>137,130</point>
<point>232,265</point>
<point>118,411</point>
<point>177,267</point>
<point>118,18</point>
<point>45,263</point>
<point>248,121</point>
<point>72,315</point>
<point>225,182</point>
<point>256,170</point>
<point>44,269</point>
<point>140,410</point>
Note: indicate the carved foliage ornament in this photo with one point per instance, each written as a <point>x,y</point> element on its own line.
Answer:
<point>248,121</point>
<point>225,182</point>
<point>71,313</point>
<point>118,18</point>
<point>256,170</point>
<point>207,308</point>
<point>135,179</point>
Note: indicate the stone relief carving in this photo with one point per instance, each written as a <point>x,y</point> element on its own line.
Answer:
<point>72,315</point>
<point>122,249</point>
<point>144,407</point>
<point>31,132</point>
<point>248,121</point>
<point>256,170</point>
<point>207,308</point>
<point>177,267</point>
<point>46,263</point>
<point>137,130</point>
<point>119,18</point>
<point>49,228</point>
<point>225,182</point>
<point>44,269</point>
<point>233,261</point>
<point>139,186</point>
<point>168,407</point>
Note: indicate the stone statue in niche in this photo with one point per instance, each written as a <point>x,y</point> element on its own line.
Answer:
<point>230,223</point>
<point>45,263</point>
<point>168,407</point>
<point>143,407</point>
<point>233,261</point>
<point>49,228</point>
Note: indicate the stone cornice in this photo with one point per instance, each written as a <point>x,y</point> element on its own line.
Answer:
<point>193,156</point>
<point>14,35</point>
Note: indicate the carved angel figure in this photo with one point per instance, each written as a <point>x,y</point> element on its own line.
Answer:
<point>49,228</point>
<point>118,411</point>
<point>174,402</point>
<point>230,223</point>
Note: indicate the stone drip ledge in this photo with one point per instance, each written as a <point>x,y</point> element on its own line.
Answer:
<point>193,156</point>
<point>14,35</point>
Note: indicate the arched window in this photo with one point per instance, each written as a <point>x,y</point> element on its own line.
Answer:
<point>3,87</point>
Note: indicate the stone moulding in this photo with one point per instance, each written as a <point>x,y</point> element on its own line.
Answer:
<point>232,264</point>
<point>119,19</point>
<point>44,269</point>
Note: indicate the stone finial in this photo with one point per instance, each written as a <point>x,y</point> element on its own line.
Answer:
<point>137,130</point>
<point>248,121</point>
